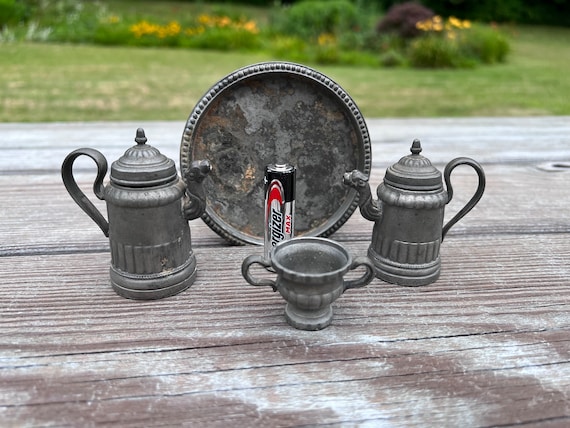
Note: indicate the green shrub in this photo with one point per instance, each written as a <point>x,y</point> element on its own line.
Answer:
<point>432,51</point>
<point>112,31</point>
<point>289,47</point>
<point>359,58</point>
<point>11,12</point>
<point>310,18</point>
<point>485,44</point>
<point>325,32</point>
<point>222,39</point>
<point>326,50</point>
<point>456,43</point>
<point>393,58</point>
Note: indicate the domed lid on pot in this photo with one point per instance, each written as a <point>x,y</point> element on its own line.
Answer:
<point>142,166</point>
<point>414,172</point>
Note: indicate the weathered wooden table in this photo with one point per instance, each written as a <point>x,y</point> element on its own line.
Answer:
<point>488,344</point>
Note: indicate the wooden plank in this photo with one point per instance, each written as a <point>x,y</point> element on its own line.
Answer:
<point>487,344</point>
<point>42,147</point>
<point>486,139</point>
<point>54,223</point>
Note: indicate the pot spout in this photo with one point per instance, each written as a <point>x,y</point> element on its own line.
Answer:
<point>196,202</point>
<point>369,207</point>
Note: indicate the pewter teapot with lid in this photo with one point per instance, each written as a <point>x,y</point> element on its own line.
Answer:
<point>408,216</point>
<point>148,208</point>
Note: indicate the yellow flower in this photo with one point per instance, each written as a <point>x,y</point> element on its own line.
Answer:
<point>214,21</point>
<point>143,28</point>
<point>423,25</point>
<point>454,22</point>
<point>205,22</point>
<point>458,23</point>
<point>437,24</point>
<point>251,26</point>
<point>173,28</point>
<point>223,21</point>
<point>326,39</point>
<point>205,19</point>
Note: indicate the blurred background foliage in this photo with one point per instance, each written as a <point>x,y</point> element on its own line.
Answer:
<point>349,32</point>
<point>539,12</point>
<point>80,60</point>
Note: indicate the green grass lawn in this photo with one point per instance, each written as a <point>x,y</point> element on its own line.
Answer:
<point>48,82</point>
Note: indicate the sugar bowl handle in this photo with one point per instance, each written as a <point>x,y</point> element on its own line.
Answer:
<point>255,259</point>
<point>98,188</point>
<point>366,278</point>
<point>476,197</point>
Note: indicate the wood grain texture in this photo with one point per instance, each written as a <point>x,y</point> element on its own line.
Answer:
<point>488,344</point>
<point>42,147</point>
<point>55,224</point>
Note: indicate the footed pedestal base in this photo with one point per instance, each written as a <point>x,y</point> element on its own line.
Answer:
<point>308,320</point>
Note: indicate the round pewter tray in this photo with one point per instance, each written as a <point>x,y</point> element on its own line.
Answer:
<point>276,112</point>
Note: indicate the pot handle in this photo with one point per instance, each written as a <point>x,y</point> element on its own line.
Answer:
<point>255,259</point>
<point>78,196</point>
<point>364,279</point>
<point>476,197</point>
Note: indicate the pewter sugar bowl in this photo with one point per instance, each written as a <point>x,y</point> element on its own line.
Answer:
<point>148,208</point>
<point>408,216</point>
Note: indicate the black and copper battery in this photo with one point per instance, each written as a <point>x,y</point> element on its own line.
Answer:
<point>279,204</point>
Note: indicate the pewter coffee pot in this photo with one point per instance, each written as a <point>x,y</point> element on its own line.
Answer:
<point>408,216</point>
<point>148,208</point>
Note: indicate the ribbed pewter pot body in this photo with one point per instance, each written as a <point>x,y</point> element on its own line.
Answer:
<point>408,216</point>
<point>148,209</point>
<point>406,240</point>
<point>151,253</point>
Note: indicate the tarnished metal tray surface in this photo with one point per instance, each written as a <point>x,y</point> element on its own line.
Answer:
<point>276,112</point>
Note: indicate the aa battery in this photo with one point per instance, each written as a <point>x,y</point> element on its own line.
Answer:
<point>279,204</point>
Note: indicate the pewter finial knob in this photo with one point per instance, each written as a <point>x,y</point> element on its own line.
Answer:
<point>416,147</point>
<point>140,138</point>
